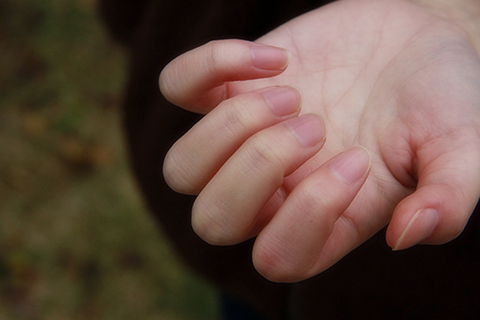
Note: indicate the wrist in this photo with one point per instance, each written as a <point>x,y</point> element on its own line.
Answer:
<point>463,13</point>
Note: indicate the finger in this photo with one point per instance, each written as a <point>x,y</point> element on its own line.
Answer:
<point>197,79</point>
<point>448,190</point>
<point>226,210</point>
<point>288,248</point>
<point>197,156</point>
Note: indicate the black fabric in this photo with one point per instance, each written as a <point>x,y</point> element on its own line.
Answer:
<point>234,309</point>
<point>370,283</point>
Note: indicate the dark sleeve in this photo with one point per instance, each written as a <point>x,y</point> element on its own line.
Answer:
<point>122,17</point>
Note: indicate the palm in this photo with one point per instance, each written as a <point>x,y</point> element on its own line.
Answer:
<point>387,75</point>
<point>374,76</point>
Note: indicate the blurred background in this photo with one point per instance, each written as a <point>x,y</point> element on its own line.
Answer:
<point>75,239</point>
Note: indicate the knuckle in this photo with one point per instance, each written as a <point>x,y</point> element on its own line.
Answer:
<point>168,84</point>
<point>239,116</point>
<point>177,177</point>
<point>272,266</point>
<point>224,56</point>
<point>310,198</point>
<point>353,226</point>
<point>455,226</point>
<point>272,263</point>
<point>456,211</point>
<point>263,154</point>
<point>210,223</point>
<point>216,55</point>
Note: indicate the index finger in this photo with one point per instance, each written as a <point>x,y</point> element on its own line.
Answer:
<point>196,80</point>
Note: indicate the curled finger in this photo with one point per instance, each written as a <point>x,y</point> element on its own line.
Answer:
<point>290,246</point>
<point>197,79</point>
<point>226,210</point>
<point>198,155</point>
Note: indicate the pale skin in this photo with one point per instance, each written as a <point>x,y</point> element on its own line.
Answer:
<point>357,115</point>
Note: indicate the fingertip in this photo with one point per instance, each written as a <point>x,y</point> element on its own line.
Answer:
<point>418,227</point>
<point>434,214</point>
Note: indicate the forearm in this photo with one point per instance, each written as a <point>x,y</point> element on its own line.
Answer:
<point>465,13</point>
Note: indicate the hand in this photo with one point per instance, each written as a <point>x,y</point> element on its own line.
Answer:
<point>390,76</point>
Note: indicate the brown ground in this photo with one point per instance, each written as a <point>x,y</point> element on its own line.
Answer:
<point>75,240</point>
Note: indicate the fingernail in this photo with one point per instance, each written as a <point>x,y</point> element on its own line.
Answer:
<point>351,165</point>
<point>269,58</point>
<point>308,129</point>
<point>283,100</point>
<point>420,227</point>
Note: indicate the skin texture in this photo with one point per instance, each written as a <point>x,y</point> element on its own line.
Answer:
<point>277,155</point>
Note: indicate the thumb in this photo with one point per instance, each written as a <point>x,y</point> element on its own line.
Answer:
<point>447,192</point>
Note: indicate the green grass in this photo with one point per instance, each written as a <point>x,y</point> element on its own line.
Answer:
<point>75,239</point>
